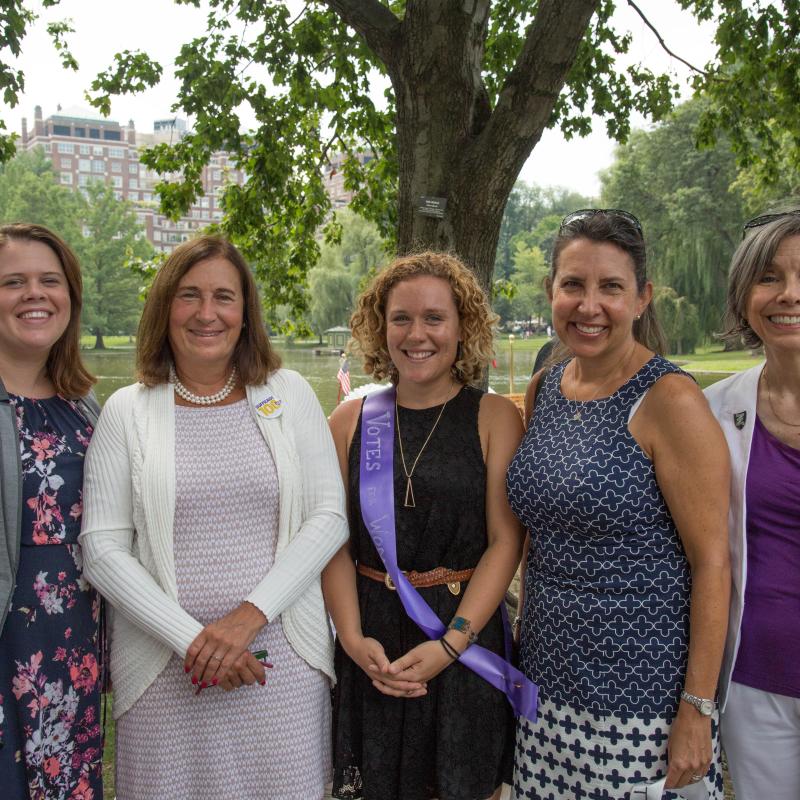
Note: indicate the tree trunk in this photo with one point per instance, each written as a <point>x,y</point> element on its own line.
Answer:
<point>99,344</point>
<point>450,143</point>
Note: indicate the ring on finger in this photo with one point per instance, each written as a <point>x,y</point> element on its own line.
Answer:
<point>216,658</point>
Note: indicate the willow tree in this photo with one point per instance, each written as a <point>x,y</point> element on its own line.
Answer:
<point>690,208</point>
<point>449,96</point>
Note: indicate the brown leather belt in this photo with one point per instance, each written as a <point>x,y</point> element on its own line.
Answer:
<point>452,578</point>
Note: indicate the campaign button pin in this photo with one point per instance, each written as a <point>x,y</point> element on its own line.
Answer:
<point>270,407</point>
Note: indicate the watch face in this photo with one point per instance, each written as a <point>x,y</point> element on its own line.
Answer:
<point>707,708</point>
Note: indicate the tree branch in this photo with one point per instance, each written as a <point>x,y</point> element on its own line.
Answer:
<point>664,44</point>
<point>532,87</point>
<point>375,22</point>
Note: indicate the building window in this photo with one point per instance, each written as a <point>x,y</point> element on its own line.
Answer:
<point>133,168</point>
<point>62,130</point>
<point>98,166</point>
<point>94,133</point>
<point>66,177</point>
<point>116,181</point>
<point>98,151</point>
<point>80,132</point>
<point>84,165</point>
<point>83,180</point>
<point>116,152</point>
<point>147,197</point>
<point>217,174</point>
<point>47,147</point>
<point>133,183</point>
<point>116,166</point>
<point>118,195</point>
<point>66,147</point>
<point>156,236</point>
<point>112,136</point>
<point>85,149</point>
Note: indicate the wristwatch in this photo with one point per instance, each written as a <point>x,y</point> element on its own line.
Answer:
<point>705,707</point>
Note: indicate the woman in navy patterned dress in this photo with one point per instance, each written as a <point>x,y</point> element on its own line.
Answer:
<point>622,482</point>
<point>50,738</point>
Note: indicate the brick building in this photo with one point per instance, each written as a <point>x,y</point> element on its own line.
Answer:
<point>84,147</point>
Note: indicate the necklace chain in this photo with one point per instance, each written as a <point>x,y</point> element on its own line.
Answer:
<point>202,399</point>
<point>408,502</point>
<point>772,405</point>
<point>577,415</point>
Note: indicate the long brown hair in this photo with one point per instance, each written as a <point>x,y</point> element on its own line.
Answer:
<point>615,229</point>
<point>253,356</point>
<point>65,367</point>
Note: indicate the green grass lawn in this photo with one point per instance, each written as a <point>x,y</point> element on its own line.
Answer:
<point>111,342</point>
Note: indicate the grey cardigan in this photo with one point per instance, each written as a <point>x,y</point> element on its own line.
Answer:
<point>11,493</point>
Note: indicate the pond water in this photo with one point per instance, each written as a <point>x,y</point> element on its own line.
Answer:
<point>114,369</point>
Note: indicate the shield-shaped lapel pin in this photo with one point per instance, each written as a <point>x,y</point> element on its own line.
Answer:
<point>739,419</point>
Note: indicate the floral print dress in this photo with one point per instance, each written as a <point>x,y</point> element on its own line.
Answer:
<point>50,732</point>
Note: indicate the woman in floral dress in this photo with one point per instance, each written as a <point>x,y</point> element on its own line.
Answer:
<point>50,733</point>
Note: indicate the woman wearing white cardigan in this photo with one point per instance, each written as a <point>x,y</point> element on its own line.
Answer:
<point>212,502</point>
<point>759,411</point>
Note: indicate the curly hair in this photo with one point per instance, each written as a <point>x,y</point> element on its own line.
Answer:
<point>368,322</point>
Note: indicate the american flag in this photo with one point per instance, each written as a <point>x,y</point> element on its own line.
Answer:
<point>343,376</point>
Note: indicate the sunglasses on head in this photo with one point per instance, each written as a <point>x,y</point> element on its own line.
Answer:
<point>584,213</point>
<point>765,219</point>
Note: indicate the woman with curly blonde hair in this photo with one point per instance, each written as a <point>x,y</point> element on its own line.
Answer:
<point>406,708</point>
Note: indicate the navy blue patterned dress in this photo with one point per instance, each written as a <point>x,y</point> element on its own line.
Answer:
<point>606,619</point>
<point>50,737</point>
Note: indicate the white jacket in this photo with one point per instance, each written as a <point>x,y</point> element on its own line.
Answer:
<point>127,538</point>
<point>733,403</point>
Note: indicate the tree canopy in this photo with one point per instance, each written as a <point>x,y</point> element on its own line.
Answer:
<point>469,89</point>
<point>103,232</point>
<point>690,210</point>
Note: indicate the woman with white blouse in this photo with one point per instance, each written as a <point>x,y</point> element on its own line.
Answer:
<point>212,502</point>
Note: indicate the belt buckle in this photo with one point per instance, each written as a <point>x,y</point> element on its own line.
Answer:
<point>454,587</point>
<point>389,583</point>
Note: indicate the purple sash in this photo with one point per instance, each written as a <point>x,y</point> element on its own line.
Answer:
<point>377,510</point>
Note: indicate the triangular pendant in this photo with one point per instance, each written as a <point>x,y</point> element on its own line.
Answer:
<point>409,501</point>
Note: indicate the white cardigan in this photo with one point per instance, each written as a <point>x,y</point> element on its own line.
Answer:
<point>127,538</point>
<point>733,403</point>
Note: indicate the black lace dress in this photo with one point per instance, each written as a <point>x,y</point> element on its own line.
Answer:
<point>456,742</point>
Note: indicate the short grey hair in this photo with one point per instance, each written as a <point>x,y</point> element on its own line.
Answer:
<point>750,261</point>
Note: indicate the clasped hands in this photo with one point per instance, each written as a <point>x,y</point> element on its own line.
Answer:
<point>219,654</point>
<point>408,675</point>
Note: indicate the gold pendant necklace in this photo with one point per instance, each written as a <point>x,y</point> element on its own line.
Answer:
<point>409,502</point>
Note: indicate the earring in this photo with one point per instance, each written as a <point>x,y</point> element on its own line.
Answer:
<point>638,317</point>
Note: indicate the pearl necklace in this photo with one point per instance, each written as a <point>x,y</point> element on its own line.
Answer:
<point>202,400</point>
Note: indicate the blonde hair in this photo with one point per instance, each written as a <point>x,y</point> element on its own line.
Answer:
<point>253,356</point>
<point>368,322</point>
<point>65,367</point>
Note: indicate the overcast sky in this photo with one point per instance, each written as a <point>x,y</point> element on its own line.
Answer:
<point>159,27</point>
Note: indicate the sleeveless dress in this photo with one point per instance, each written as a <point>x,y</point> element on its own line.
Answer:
<point>50,734</point>
<point>606,620</point>
<point>269,741</point>
<point>456,742</point>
